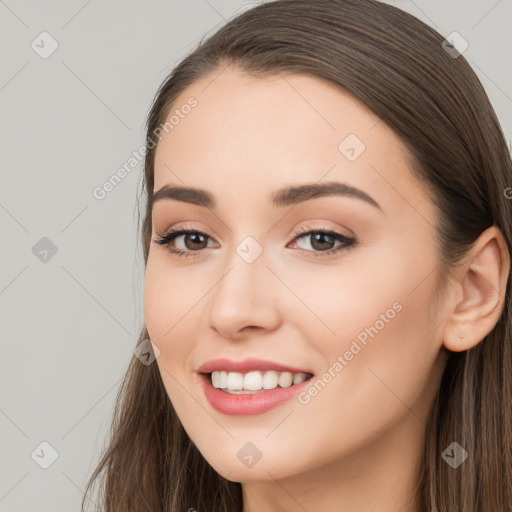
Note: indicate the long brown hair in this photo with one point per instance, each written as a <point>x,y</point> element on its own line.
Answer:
<point>399,69</point>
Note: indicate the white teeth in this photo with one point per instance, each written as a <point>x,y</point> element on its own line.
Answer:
<point>270,380</point>
<point>285,379</point>
<point>235,381</point>
<point>252,382</point>
<point>299,377</point>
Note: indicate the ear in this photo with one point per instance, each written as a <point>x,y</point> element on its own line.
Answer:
<point>478,292</point>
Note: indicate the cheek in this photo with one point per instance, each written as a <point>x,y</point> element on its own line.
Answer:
<point>162,312</point>
<point>337,303</point>
<point>377,306</point>
<point>382,351</point>
<point>156,300</point>
<point>377,370</point>
<point>169,316</point>
<point>169,299</point>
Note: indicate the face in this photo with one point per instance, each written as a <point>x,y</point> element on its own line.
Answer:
<point>337,283</point>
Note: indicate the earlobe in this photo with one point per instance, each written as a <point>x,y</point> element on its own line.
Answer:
<point>479,293</point>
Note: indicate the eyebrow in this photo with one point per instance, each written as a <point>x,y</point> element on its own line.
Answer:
<point>285,196</point>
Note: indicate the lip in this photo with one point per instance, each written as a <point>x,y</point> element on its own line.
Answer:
<point>248,365</point>
<point>245,405</point>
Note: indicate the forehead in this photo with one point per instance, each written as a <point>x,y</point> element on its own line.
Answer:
<point>249,135</point>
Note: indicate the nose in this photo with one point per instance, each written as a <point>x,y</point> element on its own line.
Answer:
<point>244,300</point>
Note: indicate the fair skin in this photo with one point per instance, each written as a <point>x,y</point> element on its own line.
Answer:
<point>356,445</point>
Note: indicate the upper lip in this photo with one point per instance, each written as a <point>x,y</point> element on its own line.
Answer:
<point>247,365</point>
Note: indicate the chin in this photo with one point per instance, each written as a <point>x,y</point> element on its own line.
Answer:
<point>230,467</point>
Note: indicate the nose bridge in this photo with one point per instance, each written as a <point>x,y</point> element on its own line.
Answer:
<point>244,276</point>
<point>243,295</point>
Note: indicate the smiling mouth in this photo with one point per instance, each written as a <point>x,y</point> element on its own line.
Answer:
<point>255,381</point>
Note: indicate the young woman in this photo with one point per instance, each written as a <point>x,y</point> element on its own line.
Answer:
<point>327,238</point>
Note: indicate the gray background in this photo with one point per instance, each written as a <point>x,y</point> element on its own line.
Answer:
<point>69,324</point>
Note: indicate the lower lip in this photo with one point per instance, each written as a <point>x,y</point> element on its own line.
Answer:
<point>245,405</point>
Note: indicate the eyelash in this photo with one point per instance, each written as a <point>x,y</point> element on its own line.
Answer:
<point>168,237</point>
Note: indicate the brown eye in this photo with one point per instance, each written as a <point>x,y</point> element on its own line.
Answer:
<point>193,242</point>
<point>321,241</point>
<point>197,241</point>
